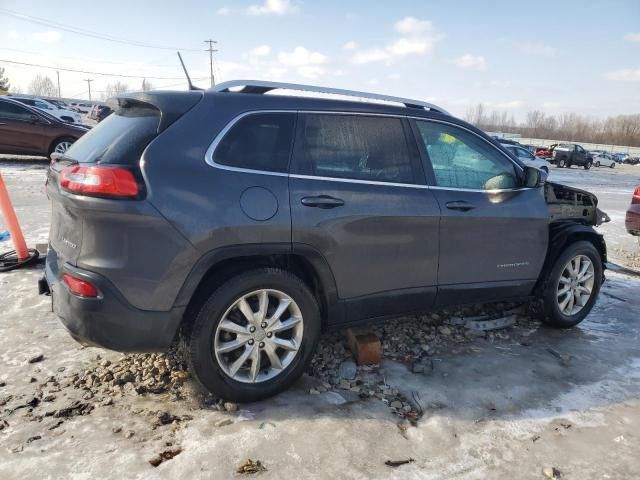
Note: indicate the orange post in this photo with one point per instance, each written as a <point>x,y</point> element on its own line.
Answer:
<point>11,220</point>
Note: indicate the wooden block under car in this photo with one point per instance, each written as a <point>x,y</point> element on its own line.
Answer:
<point>365,346</point>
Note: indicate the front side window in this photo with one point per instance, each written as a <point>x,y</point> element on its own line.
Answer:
<point>461,159</point>
<point>524,153</point>
<point>13,111</point>
<point>260,141</point>
<point>355,147</point>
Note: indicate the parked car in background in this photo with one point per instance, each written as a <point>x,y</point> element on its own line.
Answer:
<point>632,219</point>
<point>50,108</point>
<point>545,152</point>
<point>528,158</point>
<point>26,130</point>
<point>620,157</point>
<point>631,161</point>
<point>82,107</point>
<point>568,154</point>
<point>177,218</point>
<point>99,112</point>
<point>603,160</point>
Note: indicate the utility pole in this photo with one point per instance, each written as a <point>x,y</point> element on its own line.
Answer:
<point>211,50</point>
<point>58,73</point>
<point>88,80</point>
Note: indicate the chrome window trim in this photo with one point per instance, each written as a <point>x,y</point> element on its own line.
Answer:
<point>361,182</point>
<point>209,153</point>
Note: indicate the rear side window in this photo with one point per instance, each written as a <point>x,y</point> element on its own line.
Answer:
<point>260,141</point>
<point>460,159</point>
<point>355,147</point>
<point>13,111</point>
<point>120,138</point>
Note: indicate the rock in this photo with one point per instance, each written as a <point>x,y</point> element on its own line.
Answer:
<point>343,384</point>
<point>3,424</point>
<point>3,384</point>
<point>552,472</point>
<point>223,423</point>
<point>106,401</point>
<point>444,330</point>
<point>116,429</point>
<point>164,418</point>
<point>33,380</point>
<point>396,404</point>
<point>348,370</point>
<point>129,434</point>
<point>230,407</point>
<point>314,391</point>
<point>34,438</point>
<point>49,398</point>
<point>37,358</point>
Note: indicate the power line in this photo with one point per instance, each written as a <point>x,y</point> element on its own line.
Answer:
<point>89,73</point>
<point>211,50</point>
<point>89,80</point>
<point>87,33</point>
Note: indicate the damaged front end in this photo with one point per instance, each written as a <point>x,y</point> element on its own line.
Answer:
<point>573,205</point>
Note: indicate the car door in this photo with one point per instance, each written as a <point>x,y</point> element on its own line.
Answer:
<point>19,132</point>
<point>493,231</point>
<point>579,156</point>
<point>358,200</point>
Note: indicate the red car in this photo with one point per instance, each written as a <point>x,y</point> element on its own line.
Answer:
<point>632,220</point>
<point>545,152</point>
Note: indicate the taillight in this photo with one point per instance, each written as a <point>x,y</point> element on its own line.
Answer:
<point>99,180</point>
<point>79,287</point>
<point>635,199</point>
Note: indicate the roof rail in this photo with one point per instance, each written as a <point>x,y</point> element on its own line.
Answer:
<point>260,86</point>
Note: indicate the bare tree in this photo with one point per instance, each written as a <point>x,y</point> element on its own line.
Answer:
<point>4,81</point>
<point>146,85</point>
<point>114,89</point>
<point>618,130</point>
<point>42,86</point>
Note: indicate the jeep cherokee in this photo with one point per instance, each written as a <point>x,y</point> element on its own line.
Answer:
<point>244,223</point>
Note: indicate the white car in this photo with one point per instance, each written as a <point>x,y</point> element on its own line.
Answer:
<point>52,109</point>
<point>528,158</point>
<point>82,107</point>
<point>604,160</point>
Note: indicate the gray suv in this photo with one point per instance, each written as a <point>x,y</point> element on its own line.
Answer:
<point>244,223</point>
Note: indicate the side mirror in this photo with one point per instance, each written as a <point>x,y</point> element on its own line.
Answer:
<point>534,178</point>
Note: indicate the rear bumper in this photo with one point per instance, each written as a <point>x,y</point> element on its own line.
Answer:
<point>632,220</point>
<point>108,321</point>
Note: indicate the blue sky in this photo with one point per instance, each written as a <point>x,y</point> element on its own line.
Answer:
<point>556,56</point>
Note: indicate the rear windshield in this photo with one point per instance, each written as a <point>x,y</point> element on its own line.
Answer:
<point>120,138</point>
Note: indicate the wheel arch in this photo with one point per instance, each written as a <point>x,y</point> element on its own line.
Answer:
<point>214,268</point>
<point>563,234</point>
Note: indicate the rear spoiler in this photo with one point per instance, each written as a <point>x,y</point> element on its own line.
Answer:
<point>171,104</point>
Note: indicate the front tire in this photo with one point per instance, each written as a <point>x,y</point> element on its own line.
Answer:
<point>254,336</point>
<point>597,164</point>
<point>613,165</point>
<point>572,286</point>
<point>587,165</point>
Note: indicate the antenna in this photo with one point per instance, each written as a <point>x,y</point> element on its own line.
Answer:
<point>191,86</point>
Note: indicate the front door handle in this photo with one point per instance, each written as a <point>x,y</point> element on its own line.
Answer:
<point>460,205</point>
<point>322,201</point>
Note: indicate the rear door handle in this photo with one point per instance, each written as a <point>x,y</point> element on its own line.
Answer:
<point>322,201</point>
<point>460,205</point>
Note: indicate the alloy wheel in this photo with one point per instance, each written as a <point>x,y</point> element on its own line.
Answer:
<point>259,336</point>
<point>575,285</point>
<point>62,147</point>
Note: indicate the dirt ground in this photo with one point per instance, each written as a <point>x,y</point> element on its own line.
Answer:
<point>509,404</point>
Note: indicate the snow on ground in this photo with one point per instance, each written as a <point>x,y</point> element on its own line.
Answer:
<point>503,405</point>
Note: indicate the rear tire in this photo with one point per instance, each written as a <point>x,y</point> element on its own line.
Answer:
<point>554,310</point>
<point>61,145</point>
<point>212,362</point>
<point>562,163</point>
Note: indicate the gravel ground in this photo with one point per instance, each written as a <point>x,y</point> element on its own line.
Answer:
<point>449,401</point>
